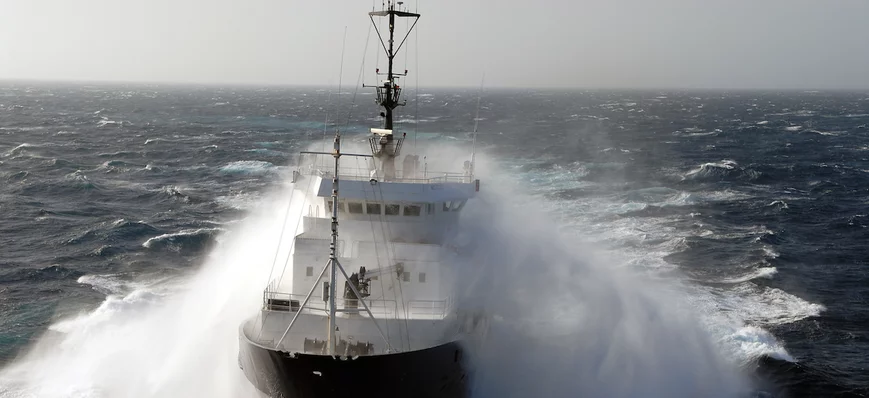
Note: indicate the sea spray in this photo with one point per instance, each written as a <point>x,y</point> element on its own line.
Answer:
<point>169,339</point>
<point>565,324</point>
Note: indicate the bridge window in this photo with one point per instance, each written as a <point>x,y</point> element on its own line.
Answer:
<point>447,205</point>
<point>392,210</point>
<point>405,276</point>
<point>372,208</point>
<point>309,271</point>
<point>422,277</point>
<point>429,208</point>
<point>354,207</point>
<point>412,210</point>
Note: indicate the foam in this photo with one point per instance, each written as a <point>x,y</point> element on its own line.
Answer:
<point>754,342</point>
<point>248,167</point>
<point>586,327</point>
<point>763,305</point>
<point>108,284</point>
<point>763,272</point>
<point>158,338</point>
<point>733,315</point>
<point>172,237</point>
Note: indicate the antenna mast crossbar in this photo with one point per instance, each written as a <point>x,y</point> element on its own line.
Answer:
<point>385,145</point>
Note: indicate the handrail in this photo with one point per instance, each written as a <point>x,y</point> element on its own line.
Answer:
<point>322,169</point>
<point>434,308</point>
<point>288,302</point>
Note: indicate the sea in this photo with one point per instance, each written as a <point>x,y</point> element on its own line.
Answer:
<point>745,212</point>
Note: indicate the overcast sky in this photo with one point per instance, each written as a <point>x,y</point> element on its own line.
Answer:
<point>546,43</point>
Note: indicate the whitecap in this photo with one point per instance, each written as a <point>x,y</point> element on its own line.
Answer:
<point>754,342</point>
<point>180,234</point>
<point>248,167</point>
<point>107,284</point>
<point>764,305</point>
<point>764,272</point>
<point>778,203</point>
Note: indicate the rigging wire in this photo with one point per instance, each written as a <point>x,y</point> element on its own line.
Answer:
<point>388,233</point>
<point>310,180</point>
<point>476,124</point>
<point>326,123</point>
<point>292,244</point>
<point>416,92</point>
<point>340,79</point>
<point>376,251</point>
<point>359,77</point>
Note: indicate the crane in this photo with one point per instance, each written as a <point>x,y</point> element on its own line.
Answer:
<point>361,280</point>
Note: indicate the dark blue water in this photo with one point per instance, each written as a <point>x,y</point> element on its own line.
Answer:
<point>758,201</point>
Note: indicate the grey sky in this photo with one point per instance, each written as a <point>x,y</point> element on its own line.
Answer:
<point>552,43</point>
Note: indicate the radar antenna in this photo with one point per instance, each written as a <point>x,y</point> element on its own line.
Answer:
<point>384,144</point>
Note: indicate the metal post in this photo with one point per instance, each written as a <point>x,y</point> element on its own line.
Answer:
<point>333,259</point>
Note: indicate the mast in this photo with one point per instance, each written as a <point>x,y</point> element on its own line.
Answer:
<point>333,258</point>
<point>384,145</point>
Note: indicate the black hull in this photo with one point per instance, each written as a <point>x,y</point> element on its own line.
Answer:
<point>437,372</point>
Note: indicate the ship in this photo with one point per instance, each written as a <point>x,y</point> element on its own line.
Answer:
<point>368,304</point>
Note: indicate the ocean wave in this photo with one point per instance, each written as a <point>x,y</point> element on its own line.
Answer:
<point>79,179</point>
<point>106,284</point>
<point>722,170</point>
<point>763,305</point>
<point>764,272</point>
<point>151,168</point>
<point>239,201</point>
<point>20,150</point>
<point>255,167</point>
<point>118,154</point>
<point>40,275</point>
<point>116,166</point>
<point>150,141</point>
<point>754,342</point>
<point>175,193</point>
<point>19,176</point>
<point>267,152</point>
<point>778,204</point>
<point>186,240</point>
<point>104,122</point>
<point>115,306</point>
<point>119,231</point>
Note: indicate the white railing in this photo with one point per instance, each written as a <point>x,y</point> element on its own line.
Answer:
<point>427,308</point>
<point>325,170</point>
<point>286,302</point>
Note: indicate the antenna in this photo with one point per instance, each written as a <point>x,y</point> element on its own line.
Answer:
<point>333,258</point>
<point>476,124</point>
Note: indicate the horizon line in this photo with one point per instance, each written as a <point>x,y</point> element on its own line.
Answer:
<point>215,84</point>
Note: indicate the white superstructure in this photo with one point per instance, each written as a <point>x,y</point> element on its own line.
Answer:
<point>391,245</point>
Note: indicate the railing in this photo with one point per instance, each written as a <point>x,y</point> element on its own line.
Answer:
<point>286,302</point>
<point>367,173</point>
<point>429,308</point>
